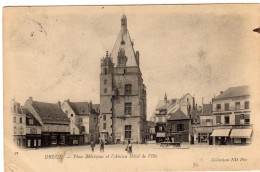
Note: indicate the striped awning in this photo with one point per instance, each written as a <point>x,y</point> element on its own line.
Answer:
<point>241,133</point>
<point>160,134</point>
<point>221,132</point>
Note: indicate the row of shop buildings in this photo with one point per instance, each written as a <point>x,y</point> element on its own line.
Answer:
<point>40,124</point>
<point>225,121</point>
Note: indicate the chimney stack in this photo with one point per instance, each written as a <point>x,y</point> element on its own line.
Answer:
<point>90,106</point>
<point>202,105</point>
<point>30,99</point>
<point>59,104</point>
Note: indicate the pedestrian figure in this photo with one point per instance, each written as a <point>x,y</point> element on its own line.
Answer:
<point>102,146</point>
<point>92,145</point>
<point>129,147</point>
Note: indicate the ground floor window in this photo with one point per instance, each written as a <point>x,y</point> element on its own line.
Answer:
<point>62,140</point>
<point>18,142</point>
<point>75,141</point>
<point>39,142</point>
<point>203,137</point>
<point>28,143</point>
<point>35,142</point>
<point>53,140</point>
<point>128,131</point>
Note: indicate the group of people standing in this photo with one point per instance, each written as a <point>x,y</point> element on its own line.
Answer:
<point>102,146</point>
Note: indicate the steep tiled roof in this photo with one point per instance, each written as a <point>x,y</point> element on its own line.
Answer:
<point>178,115</point>
<point>50,113</point>
<point>30,116</point>
<point>127,46</point>
<point>234,92</point>
<point>82,107</point>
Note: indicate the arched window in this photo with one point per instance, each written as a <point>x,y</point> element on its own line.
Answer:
<point>105,81</point>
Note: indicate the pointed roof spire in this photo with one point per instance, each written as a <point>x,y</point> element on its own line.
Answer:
<point>165,98</point>
<point>124,23</point>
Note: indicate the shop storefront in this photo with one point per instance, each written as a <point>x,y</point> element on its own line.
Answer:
<point>241,136</point>
<point>33,141</point>
<point>160,137</point>
<point>221,136</point>
<point>76,140</point>
<point>202,135</point>
<point>55,139</point>
<point>20,140</point>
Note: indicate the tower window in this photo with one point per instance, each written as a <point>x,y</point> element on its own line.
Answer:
<point>128,108</point>
<point>105,90</point>
<point>128,131</point>
<point>128,89</point>
<point>105,71</point>
<point>105,81</point>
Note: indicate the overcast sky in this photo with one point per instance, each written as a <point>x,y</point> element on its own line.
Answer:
<point>55,52</point>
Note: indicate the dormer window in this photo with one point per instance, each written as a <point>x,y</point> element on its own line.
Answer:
<point>122,42</point>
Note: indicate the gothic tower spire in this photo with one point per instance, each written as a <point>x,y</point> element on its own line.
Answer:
<point>124,24</point>
<point>165,98</point>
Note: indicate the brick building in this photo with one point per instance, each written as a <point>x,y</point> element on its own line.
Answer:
<point>122,92</point>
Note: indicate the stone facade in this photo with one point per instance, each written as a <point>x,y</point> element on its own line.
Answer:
<point>122,92</point>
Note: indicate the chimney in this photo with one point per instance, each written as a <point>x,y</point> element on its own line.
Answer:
<point>90,106</point>
<point>137,57</point>
<point>59,104</point>
<point>30,99</point>
<point>202,105</point>
<point>68,100</point>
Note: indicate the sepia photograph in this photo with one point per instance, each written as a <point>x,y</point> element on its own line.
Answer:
<point>131,88</point>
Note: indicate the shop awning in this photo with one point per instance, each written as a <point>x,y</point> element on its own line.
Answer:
<point>221,132</point>
<point>160,134</point>
<point>241,133</point>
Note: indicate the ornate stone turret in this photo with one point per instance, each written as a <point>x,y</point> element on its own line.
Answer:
<point>107,64</point>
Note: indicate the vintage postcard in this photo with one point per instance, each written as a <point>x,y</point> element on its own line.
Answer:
<point>131,88</point>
